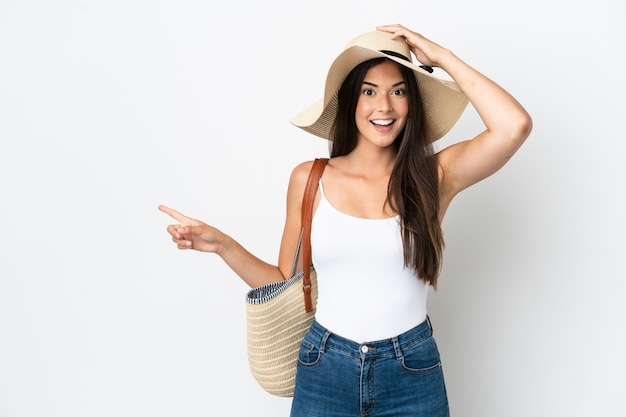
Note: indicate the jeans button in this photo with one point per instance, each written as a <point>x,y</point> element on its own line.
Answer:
<point>364,349</point>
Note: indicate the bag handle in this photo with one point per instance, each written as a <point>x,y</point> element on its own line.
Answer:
<point>307,217</point>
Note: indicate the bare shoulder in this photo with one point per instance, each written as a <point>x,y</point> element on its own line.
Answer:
<point>300,174</point>
<point>301,171</point>
<point>298,179</point>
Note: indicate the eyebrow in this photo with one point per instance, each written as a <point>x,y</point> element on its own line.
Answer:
<point>375,85</point>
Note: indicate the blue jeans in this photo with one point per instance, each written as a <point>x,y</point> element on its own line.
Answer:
<point>401,376</point>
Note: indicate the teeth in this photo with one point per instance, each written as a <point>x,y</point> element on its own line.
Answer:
<point>382,122</point>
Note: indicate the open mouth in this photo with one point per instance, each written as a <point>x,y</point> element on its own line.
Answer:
<point>381,122</point>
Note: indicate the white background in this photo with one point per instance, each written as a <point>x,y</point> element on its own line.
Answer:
<point>109,108</point>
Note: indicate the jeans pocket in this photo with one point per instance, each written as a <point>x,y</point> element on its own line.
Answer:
<point>310,353</point>
<point>421,358</point>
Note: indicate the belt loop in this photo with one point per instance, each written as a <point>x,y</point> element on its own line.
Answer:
<point>430,326</point>
<point>396,348</point>
<point>324,340</point>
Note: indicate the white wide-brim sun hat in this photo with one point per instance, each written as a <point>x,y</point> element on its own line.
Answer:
<point>443,100</point>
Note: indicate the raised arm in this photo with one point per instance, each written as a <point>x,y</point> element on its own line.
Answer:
<point>507,124</point>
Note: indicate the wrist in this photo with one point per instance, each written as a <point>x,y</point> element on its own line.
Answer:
<point>223,245</point>
<point>445,59</point>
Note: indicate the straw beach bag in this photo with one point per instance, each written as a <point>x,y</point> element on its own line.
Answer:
<point>279,314</point>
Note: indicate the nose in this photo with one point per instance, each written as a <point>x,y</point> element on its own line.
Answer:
<point>384,103</point>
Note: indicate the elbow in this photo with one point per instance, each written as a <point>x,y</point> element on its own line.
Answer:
<point>517,131</point>
<point>522,128</point>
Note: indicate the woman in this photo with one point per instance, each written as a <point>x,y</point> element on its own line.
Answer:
<point>376,237</point>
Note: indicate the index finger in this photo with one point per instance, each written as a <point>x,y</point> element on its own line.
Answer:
<point>173,213</point>
<point>393,29</point>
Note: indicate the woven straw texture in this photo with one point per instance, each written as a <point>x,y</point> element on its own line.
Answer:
<point>276,327</point>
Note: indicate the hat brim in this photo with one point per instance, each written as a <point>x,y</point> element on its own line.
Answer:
<point>443,100</point>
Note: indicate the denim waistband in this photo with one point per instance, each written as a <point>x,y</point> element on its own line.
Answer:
<point>393,346</point>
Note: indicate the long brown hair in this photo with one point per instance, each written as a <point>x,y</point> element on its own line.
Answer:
<point>413,187</point>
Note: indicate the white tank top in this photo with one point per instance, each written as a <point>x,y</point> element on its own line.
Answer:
<point>364,291</point>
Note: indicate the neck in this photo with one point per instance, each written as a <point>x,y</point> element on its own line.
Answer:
<point>371,162</point>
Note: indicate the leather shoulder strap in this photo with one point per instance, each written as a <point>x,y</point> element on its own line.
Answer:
<point>307,217</point>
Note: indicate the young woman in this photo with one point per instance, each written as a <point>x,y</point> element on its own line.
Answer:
<point>376,237</point>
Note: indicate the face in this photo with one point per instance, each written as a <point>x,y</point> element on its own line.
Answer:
<point>383,105</point>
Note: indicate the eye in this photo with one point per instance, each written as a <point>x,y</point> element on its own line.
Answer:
<point>368,92</point>
<point>399,92</point>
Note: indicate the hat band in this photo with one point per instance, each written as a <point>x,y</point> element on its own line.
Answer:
<point>397,55</point>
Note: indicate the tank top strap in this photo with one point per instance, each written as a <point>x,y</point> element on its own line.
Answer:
<point>321,188</point>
